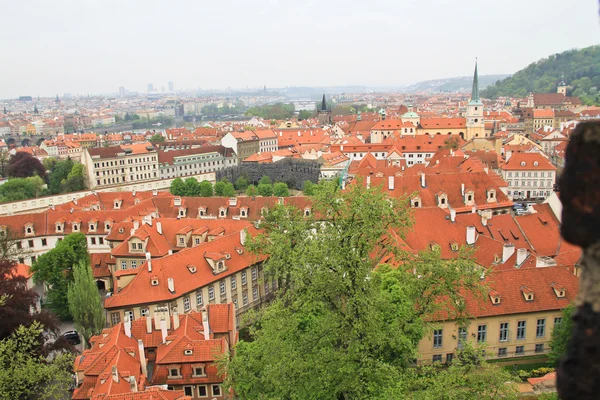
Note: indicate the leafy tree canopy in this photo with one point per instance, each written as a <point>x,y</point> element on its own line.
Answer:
<point>24,165</point>
<point>339,328</point>
<point>275,111</point>
<point>241,183</point>
<point>561,334</point>
<point>251,191</point>
<point>265,189</point>
<point>56,268</point>
<point>206,189</point>
<point>280,189</point>
<point>85,304</point>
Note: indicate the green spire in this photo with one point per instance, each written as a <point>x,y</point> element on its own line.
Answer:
<point>475,91</point>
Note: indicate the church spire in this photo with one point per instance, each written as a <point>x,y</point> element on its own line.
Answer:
<point>324,104</point>
<point>475,90</point>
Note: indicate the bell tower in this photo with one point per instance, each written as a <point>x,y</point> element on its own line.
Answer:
<point>562,86</point>
<point>475,124</point>
<point>324,113</point>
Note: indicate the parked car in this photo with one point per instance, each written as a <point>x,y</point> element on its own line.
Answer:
<point>72,337</point>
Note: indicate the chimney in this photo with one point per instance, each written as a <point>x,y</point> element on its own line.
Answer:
<point>507,251</point>
<point>127,324</point>
<point>243,234</point>
<point>133,384</point>
<point>470,235</point>
<point>115,374</point>
<point>159,227</point>
<point>368,182</point>
<point>132,231</point>
<point>154,192</point>
<point>143,363</point>
<point>484,219</point>
<point>133,193</point>
<point>149,261</point>
<point>423,179</point>
<point>452,215</point>
<point>171,285</point>
<point>170,252</point>
<point>391,182</point>
<point>521,256</point>
<point>148,324</point>
<point>163,330</point>
<point>462,189</point>
<point>205,325</point>
<point>175,320</point>
<point>136,224</point>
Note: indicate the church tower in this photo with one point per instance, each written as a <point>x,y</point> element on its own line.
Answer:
<point>324,113</point>
<point>562,86</point>
<point>475,124</point>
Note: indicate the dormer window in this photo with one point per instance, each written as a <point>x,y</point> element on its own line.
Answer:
<point>495,297</point>
<point>28,230</point>
<point>244,212</point>
<point>198,371</point>
<point>107,226</point>
<point>263,211</point>
<point>220,265</point>
<point>117,205</point>
<point>454,246</point>
<point>491,194</point>
<point>75,227</point>
<point>154,281</point>
<point>222,212</point>
<point>92,227</point>
<point>181,241</point>
<point>559,290</point>
<point>188,352</point>
<point>535,163</point>
<point>192,269</point>
<point>442,199</point>
<point>59,227</point>
<point>497,258</point>
<point>415,202</point>
<point>307,212</point>
<point>527,293</point>
<point>434,246</point>
<point>121,230</point>
<point>522,163</point>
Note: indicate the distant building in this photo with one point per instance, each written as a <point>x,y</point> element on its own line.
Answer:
<point>171,87</point>
<point>150,88</point>
<point>324,113</point>
<point>529,176</point>
<point>121,91</point>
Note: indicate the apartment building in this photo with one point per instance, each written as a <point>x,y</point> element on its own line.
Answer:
<point>112,166</point>
<point>216,272</point>
<point>244,144</point>
<point>529,176</point>
<point>171,357</point>
<point>195,161</point>
<point>515,319</point>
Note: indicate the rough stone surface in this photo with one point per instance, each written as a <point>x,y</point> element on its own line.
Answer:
<point>578,375</point>
<point>291,171</point>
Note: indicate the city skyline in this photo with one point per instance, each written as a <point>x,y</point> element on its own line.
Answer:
<point>240,45</point>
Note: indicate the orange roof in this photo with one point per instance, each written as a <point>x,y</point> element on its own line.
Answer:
<point>528,161</point>
<point>440,123</point>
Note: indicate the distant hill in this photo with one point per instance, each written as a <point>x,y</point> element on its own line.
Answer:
<point>582,75</point>
<point>456,84</point>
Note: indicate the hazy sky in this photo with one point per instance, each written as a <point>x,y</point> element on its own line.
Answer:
<point>82,46</point>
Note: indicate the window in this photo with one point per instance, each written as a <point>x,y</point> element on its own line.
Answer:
<point>144,312</point>
<point>202,392</point>
<point>245,298</point>
<point>198,371</point>
<point>181,240</point>
<point>449,358</point>
<point>173,372</point>
<point>133,264</point>
<point>216,390</point>
<point>186,304</point>
<point>123,264</point>
<point>502,352</point>
<point>520,330</point>
<point>233,283</point>
<point>243,277</point>
<point>93,240</point>
<point>100,240</point>
<point>462,337</point>
<point>211,293</point>
<point>481,333</point>
<point>520,350</point>
<point>188,391</point>
<point>199,301</point>
<point>44,242</point>
<point>437,358</point>
<point>222,288</point>
<point>197,241</point>
<point>504,331</point>
<point>557,321</point>
<point>235,303</point>
<point>254,273</point>
<point>437,338</point>
<point>255,293</point>
<point>115,318</point>
<point>540,330</point>
<point>539,348</point>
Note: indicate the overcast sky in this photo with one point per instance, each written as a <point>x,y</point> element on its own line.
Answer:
<point>81,46</point>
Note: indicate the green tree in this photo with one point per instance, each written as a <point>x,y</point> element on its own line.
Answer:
<point>229,190</point>
<point>85,303</point>
<point>24,165</point>
<point>157,138</point>
<point>308,188</point>
<point>59,174</point>
<point>280,189</point>
<point>561,334</point>
<point>75,179</point>
<point>265,179</point>
<point>56,269</point>
<point>219,186</point>
<point>21,188</point>
<point>305,114</point>
<point>251,191</point>
<point>26,374</point>
<point>338,328</point>
<point>206,189</point>
<point>241,183</point>
<point>191,187</point>
<point>177,187</point>
<point>265,189</point>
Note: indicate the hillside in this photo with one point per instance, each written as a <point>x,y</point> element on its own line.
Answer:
<point>581,69</point>
<point>456,84</point>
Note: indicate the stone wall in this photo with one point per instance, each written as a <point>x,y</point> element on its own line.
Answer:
<point>291,171</point>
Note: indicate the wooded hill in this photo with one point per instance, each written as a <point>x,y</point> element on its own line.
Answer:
<point>581,68</point>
